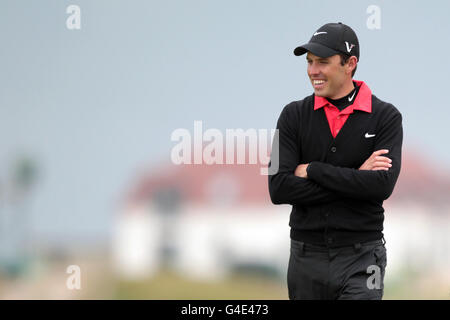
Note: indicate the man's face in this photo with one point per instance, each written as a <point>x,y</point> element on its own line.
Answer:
<point>328,77</point>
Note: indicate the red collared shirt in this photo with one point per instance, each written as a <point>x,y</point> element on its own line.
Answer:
<point>336,118</point>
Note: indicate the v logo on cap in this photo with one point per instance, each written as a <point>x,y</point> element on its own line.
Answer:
<point>349,48</point>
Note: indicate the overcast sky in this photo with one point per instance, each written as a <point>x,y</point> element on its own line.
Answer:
<point>95,105</point>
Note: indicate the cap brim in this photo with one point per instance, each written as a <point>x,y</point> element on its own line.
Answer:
<point>315,48</point>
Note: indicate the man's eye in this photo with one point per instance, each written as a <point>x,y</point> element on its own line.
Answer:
<point>324,62</point>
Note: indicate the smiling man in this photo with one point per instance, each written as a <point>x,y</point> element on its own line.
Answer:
<point>339,158</point>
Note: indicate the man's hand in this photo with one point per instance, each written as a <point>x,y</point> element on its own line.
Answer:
<point>376,161</point>
<point>300,171</point>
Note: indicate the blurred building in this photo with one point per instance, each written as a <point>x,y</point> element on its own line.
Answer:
<point>202,220</point>
<point>207,220</point>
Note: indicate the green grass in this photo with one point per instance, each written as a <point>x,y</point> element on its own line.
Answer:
<point>171,286</point>
<point>168,285</point>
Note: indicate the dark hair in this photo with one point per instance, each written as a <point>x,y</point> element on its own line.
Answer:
<point>344,59</point>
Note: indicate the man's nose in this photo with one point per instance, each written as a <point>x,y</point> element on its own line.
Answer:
<point>313,69</point>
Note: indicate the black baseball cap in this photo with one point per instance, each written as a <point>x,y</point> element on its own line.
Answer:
<point>331,39</point>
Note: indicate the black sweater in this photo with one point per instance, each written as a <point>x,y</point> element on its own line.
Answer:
<point>337,204</point>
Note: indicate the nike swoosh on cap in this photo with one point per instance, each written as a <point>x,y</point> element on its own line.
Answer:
<point>369,135</point>
<point>315,34</point>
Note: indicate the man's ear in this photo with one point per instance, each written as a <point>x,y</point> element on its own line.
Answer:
<point>351,63</point>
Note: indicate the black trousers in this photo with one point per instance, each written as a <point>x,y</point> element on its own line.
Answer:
<point>352,272</point>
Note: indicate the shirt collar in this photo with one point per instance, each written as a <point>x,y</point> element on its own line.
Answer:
<point>363,100</point>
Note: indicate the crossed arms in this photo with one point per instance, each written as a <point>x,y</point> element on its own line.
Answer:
<point>373,180</point>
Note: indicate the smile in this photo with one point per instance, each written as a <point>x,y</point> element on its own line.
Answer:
<point>318,84</point>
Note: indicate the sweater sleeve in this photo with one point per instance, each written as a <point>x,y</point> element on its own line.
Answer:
<point>365,184</point>
<point>284,186</point>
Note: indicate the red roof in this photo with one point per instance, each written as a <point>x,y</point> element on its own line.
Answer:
<point>205,183</point>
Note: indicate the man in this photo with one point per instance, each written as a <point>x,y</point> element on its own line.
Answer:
<point>339,159</point>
